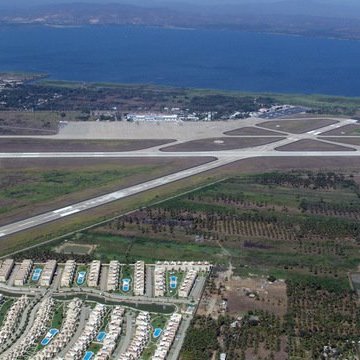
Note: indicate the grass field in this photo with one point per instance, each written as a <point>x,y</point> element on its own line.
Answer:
<point>65,227</point>
<point>347,130</point>
<point>19,145</point>
<point>344,140</point>
<point>218,144</point>
<point>247,131</point>
<point>28,187</point>
<point>313,145</point>
<point>297,126</point>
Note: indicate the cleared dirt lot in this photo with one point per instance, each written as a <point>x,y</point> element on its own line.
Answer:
<point>297,126</point>
<point>249,294</point>
<point>347,130</point>
<point>48,145</point>
<point>312,145</point>
<point>248,130</point>
<point>221,143</point>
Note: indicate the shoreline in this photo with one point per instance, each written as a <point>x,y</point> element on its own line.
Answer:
<point>186,28</point>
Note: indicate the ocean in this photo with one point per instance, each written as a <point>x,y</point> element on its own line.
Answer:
<point>218,59</point>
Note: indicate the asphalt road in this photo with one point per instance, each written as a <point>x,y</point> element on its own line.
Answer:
<point>222,158</point>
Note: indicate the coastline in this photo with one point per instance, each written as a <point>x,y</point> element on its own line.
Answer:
<point>235,28</point>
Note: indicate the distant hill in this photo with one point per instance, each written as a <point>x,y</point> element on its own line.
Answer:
<point>316,18</point>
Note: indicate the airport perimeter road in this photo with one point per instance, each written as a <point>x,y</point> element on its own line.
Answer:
<point>105,199</point>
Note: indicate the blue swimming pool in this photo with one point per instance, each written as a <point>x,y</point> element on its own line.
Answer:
<point>36,274</point>
<point>126,285</point>
<point>101,336</point>
<point>88,355</point>
<point>49,336</point>
<point>81,277</point>
<point>157,332</point>
<point>173,282</point>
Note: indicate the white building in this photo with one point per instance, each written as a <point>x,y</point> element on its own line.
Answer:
<point>139,278</point>
<point>113,276</point>
<point>66,333</point>
<point>140,339</point>
<point>89,333</point>
<point>187,283</point>
<point>113,334</point>
<point>47,273</point>
<point>184,265</point>
<point>5,269</point>
<point>159,281</point>
<point>167,337</point>
<point>23,272</point>
<point>68,274</point>
<point>94,273</point>
<point>12,318</point>
<point>37,330</point>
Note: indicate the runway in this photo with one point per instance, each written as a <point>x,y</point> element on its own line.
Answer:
<point>108,198</point>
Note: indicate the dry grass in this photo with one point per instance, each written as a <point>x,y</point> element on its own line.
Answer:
<point>297,126</point>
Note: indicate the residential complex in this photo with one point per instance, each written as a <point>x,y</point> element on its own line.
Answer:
<point>48,273</point>
<point>66,333</point>
<point>167,337</point>
<point>183,265</point>
<point>140,339</point>
<point>23,272</point>
<point>94,273</point>
<point>159,281</point>
<point>5,269</point>
<point>113,334</point>
<point>187,283</point>
<point>68,317</point>
<point>12,318</point>
<point>113,276</point>
<point>139,278</point>
<point>68,273</point>
<point>37,330</point>
<point>88,335</point>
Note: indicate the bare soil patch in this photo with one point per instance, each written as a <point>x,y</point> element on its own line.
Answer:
<point>249,130</point>
<point>312,145</point>
<point>345,140</point>
<point>77,249</point>
<point>220,144</point>
<point>249,294</point>
<point>49,145</point>
<point>347,130</point>
<point>297,126</point>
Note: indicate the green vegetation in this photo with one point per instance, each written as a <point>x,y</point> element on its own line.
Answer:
<point>158,321</point>
<point>200,340</point>
<point>301,226</point>
<point>58,317</point>
<point>94,347</point>
<point>4,308</point>
<point>129,97</point>
<point>264,221</point>
<point>28,187</point>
